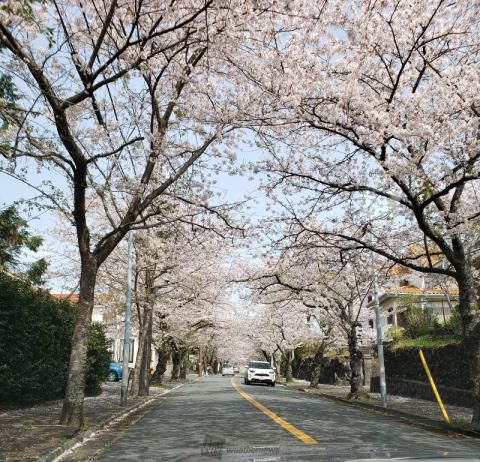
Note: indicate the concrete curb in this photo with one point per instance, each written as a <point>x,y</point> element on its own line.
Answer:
<point>412,419</point>
<point>83,436</point>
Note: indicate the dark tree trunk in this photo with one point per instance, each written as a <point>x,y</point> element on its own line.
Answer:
<point>142,365</point>
<point>317,366</point>
<point>356,358</point>
<point>289,370</point>
<point>176,358</point>
<point>266,356</point>
<point>163,355</point>
<point>72,410</point>
<point>205,364</point>
<point>183,363</point>
<point>144,389</point>
<point>139,359</point>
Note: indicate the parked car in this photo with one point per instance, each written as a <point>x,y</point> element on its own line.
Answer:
<point>227,369</point>
<point>236,370</point>
<point>260,372</point>
<point>114,372</point>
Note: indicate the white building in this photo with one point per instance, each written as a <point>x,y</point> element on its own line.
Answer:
<point>405,288</point>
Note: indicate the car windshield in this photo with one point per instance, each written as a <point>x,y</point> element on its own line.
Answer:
<point>227,365</point>
<point>255,365</point>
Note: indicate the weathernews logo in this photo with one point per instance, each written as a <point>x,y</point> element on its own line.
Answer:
<point>213,446</point>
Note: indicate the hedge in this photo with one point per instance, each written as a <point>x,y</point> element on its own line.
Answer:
<point>35,343</point>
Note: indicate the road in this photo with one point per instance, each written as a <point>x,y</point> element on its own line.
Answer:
<point>217,416</point>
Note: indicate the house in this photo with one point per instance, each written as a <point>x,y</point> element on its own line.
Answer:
<point>110,313</point>
<point>404,288</point>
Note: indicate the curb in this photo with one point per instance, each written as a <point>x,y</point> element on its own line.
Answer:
<point>81,438</point>
<point>413,419</point>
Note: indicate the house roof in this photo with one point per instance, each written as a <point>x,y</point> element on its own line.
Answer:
<point>70,297</point>
<point>412,290</point>
<point>398,270</point>
<point>417,255</point>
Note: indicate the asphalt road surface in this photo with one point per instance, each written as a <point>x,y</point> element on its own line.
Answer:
<point>219,418</point>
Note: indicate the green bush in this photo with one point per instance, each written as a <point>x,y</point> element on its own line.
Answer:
<point>396,333</point>
<point>419,322</point>
<point>453,325</point>
<point>35,343</point>
<point>98,356</point>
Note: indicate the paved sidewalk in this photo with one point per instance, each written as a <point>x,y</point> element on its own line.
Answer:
<point>30,432</point>
<point>418,407</point>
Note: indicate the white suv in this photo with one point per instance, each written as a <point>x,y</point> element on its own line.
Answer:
<point>261,372</point>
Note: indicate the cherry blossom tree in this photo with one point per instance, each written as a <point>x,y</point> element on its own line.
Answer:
<point>120,100</point>
<point>326,288</point>
<point>373,112</point>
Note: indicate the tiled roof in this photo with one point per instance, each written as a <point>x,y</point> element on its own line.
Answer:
<point>70,297</point>
<point>412,290</point>
<point>418,256</point>
<point>398,270</point>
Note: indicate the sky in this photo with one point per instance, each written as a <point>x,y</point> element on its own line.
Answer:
<point>43,222</point>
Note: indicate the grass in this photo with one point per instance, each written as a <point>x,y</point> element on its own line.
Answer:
<point>425,341</point>
<point>63,439</point>
<point>363,397</point>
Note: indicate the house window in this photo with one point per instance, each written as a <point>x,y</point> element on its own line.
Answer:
<point>370,323</point>
<point>390,319</point>
<point>370,298</point>
<point>404,282</point>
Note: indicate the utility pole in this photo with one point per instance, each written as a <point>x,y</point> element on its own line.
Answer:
<point>381,361</point>
<point>126,335</point>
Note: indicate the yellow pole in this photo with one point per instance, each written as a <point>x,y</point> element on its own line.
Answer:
<point>434,388</point>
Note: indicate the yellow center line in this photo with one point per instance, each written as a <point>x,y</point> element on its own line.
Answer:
<point>307,439</point>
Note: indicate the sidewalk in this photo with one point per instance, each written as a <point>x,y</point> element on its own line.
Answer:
<point>414,406</point>
<point>28,433</point>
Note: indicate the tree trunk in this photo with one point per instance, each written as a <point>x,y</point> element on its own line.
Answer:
<point>163,355</point>
<point>183,363</point>
<point>139,358</point>
<point>176,363</point>
<point>141,362</point>
<point>72,410</point>
<point>289,371</point>
<point>317,366</point>
<point>468,307</point>
<point>205,364</point>
<point>356,357</point>
<point>144,389</point>
<point>266,356</point>
<point>467,300</point>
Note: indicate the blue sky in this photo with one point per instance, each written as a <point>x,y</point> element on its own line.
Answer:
<point>42,222</point>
